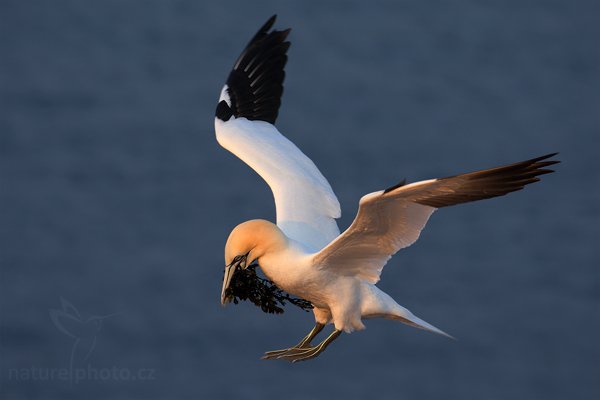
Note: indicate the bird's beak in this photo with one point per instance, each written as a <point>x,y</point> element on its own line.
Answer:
<point>229,271</point>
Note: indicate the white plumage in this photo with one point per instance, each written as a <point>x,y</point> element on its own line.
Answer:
<point>304,253</point>
<point>385,223</point>
<point>305,204</point>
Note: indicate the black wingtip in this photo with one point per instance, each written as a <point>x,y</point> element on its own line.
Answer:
<point>537,159</point>
<point>269,22</point>
<point>255,84</point>
<point>489,183</point>
<point>264,29</point>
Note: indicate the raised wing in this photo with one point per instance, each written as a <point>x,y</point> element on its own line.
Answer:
<point>392,219</point>
<point>305,203</point>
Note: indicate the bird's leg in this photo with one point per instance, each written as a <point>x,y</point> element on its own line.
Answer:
<point>307,353</point>
<point>311,335</point>
<point>305,342</point>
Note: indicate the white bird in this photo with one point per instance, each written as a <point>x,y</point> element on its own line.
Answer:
<point>304,253</point>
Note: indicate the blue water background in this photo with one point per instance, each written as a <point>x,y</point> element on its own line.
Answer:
<point>115,196</point>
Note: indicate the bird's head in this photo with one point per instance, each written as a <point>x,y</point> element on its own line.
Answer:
<point>247,243</point>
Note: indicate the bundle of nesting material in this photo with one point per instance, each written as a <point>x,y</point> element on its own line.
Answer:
<point>247,285</point>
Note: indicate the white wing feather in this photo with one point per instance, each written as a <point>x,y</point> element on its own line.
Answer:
<point>247,109</point>
<point>385,223</point>
<point>305,203</point>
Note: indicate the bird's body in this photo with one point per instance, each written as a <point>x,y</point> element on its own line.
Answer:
<point>343,300</point>
<point>304,252</point>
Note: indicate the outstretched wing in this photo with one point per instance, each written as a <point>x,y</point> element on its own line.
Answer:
<point>392,219</point>
<point>305,203</point>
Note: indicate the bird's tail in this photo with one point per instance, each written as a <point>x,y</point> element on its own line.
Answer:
<point>405,316</point>
<point>419,323</point>
<point>378,304</point>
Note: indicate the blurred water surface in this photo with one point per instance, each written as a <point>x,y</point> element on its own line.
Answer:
<point>116,197</point>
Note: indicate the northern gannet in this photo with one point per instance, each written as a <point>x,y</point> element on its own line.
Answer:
<point>304,253</point>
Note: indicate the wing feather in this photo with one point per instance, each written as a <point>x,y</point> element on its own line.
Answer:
<point>390,220</point>
<point>247,109</point>
<point>255,84</point>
